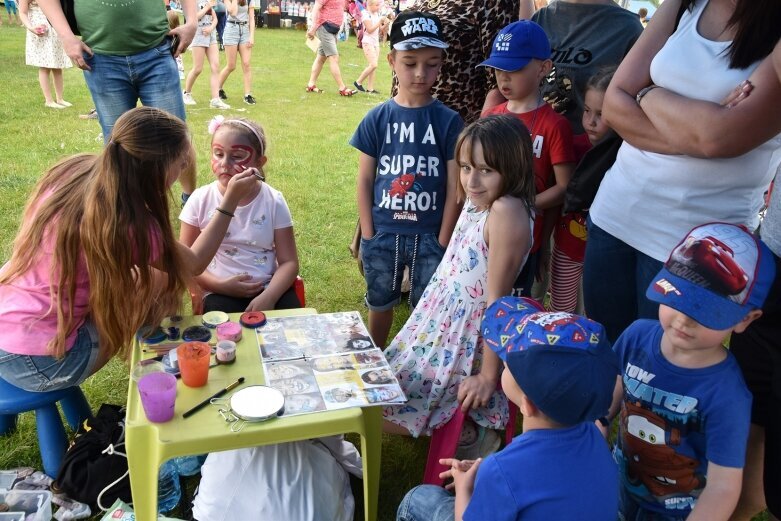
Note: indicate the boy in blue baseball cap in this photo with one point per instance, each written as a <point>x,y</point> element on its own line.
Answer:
<point>521,59</point>
<point>684,407</point>
<point>560,371</point>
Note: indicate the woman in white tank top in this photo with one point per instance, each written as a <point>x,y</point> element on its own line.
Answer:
<point>677,169</point>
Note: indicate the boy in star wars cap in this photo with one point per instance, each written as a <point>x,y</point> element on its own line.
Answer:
<point>406,164</point>
<point>560,370</point>
<point>684,407</point>
<point>521,59</point>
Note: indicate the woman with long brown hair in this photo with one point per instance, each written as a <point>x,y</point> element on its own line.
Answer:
<point>83,276</point>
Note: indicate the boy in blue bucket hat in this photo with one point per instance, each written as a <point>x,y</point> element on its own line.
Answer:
<point>684,407</point>
<point>560,371</point>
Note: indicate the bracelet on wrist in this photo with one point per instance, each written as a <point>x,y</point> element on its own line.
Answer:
<point>644,91</point>
<point>225,212</point>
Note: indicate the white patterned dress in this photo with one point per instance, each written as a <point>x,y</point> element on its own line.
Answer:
<point>45,50</point>
<point>440,344</point>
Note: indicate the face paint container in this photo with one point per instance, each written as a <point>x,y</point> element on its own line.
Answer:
<point>226,352</point>
<point>229,331</point>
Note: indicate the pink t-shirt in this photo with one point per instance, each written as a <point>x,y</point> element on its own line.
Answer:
<point>28,320</point>
<point>330,11</point>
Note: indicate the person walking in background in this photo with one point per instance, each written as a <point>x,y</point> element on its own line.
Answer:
<point>373,22</point>
<point>327,17</point>
<point>44,50</point>
<point>205,46</point>
<point>222,16</point>
<point>238,39</point>
<point>11,8</point>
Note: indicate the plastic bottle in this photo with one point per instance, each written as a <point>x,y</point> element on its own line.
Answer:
<point>169,492</point>
<point>189,465</point>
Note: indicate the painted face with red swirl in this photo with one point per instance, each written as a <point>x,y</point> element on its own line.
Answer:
<point>232,153</point>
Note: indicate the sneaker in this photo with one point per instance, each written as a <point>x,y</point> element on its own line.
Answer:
<point>359,86</point>
<point>217,103</point>
<point>188,98</point>
<point>477,442</point>
<point>223,96</point>
<point>249,100</point>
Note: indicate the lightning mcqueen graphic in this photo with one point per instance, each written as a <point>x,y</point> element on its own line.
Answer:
<point>714,260</point>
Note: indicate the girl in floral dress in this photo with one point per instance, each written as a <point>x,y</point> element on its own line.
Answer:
<point>438,355</point>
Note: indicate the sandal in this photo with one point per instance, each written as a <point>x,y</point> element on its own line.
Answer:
<point>346,92</point>
<point>313,88</point>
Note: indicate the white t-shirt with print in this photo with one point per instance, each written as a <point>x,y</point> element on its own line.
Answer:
<point>248,246</point>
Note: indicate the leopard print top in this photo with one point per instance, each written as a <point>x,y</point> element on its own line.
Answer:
<point>469,27</point>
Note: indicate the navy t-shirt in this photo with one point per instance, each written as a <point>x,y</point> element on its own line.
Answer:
<point>674,421</point>
<point>548,474</point>
<point>412,147</point>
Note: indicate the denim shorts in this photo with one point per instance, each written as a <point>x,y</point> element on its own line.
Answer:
<point>384,257</point>
<point>10,7</point>
<point>235,33</point>
<point>47,373</point>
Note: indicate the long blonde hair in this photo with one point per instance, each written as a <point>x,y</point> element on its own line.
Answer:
<point>110,212</point>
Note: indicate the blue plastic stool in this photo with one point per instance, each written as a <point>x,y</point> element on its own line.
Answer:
<point>51,433</point>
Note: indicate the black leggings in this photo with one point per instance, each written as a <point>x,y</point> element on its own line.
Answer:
<point>217,302</point>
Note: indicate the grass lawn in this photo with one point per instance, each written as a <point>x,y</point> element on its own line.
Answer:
<point>310,161</point>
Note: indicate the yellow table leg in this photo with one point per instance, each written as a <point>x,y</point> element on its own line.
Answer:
<point>371,451</point>
<point>144,467</point>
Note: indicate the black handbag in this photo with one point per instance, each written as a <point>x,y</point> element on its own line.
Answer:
<point>582,188</point>
<point>70,15</point>
<point>94,469</point>
<point>331,27</point>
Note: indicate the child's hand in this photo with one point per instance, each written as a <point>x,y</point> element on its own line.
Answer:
<point>261,303</point>
<point>463,473</point>
<point>240,186</point>
<point>475,391</point>
<point>240,286</point>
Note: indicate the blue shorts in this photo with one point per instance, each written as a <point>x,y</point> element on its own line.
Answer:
<point>384,257</point>
<point>47,373</point>
<point>10,7</point>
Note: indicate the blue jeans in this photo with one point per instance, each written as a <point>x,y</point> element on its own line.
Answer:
<point>615,277</point>
<point>118,82</point>
<point>427,503</point>
<point>47,373</point>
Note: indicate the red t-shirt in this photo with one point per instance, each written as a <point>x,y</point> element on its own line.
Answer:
<point>551,136</point>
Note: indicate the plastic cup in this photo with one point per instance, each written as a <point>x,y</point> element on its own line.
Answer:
<point>146,367</point>
<point>158,396</point>
<point>194,363</point>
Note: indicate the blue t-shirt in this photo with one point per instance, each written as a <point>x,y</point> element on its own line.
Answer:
<point>412,147</point>
<point>674,421</point>
<point>548,474</point>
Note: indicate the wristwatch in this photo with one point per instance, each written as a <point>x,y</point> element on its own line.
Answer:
<point>644,91</point>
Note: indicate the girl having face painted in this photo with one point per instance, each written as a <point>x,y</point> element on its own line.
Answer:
<point>257,262</point>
